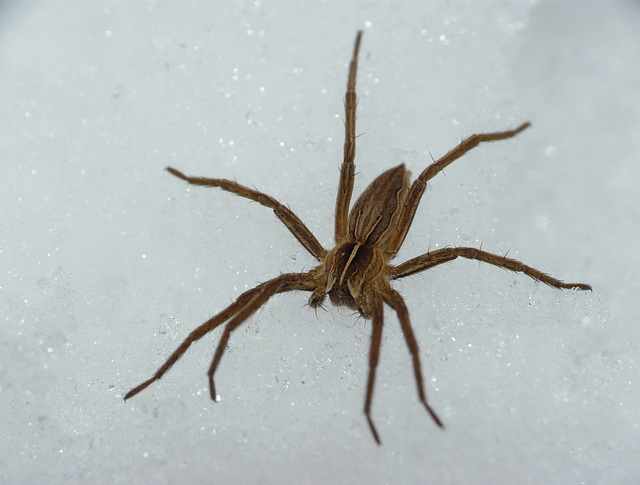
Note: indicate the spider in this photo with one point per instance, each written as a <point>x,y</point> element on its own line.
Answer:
<point>357,272</point>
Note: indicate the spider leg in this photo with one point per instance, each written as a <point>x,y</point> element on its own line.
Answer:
<point>395,301</point>
<point>286,215</point>
<point>283,283</point>
<point>374,353</point>
<point>244,306</point>
<point>434,258</point>
<point>347,170</point>
<point>419,185</point>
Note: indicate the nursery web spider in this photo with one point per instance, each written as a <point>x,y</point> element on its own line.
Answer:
<point>357,272</point>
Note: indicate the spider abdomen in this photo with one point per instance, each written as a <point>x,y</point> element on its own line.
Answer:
<point>374,216</point>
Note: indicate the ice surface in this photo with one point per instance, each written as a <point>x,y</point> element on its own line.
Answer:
<point>107,262</point>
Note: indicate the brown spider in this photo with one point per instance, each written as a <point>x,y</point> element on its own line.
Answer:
<point>356,273</point>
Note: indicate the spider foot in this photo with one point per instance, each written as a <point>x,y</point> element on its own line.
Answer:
<point>177,173</point>
<point>522,127</point>
<point>433,415</point>
<point>373,430</point>
<point>212,389</point>
<point>139,388</point>
<point>579,286</point>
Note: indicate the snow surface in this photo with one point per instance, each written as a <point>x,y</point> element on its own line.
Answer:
<point>107,262</point>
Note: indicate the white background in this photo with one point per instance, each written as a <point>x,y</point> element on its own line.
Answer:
<point>107,261</point>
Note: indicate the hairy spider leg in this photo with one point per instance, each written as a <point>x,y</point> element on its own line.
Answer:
<point>283,283</point>
<point>395,301</point>
<point>419,185</point>
<point>244,306</point>
<point>434,258</point>
<point>295,225</point>
<point>347,170</point>
<point>374,354</point>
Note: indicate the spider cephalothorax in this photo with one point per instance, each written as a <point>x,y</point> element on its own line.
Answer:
<point>357,272</point>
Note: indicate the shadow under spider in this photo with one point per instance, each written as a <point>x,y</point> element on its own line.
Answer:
<point>357,272</point>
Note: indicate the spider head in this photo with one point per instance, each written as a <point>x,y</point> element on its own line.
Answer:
<point>346,274</point>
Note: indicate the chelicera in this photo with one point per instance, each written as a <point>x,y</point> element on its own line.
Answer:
<point>357,272</point>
